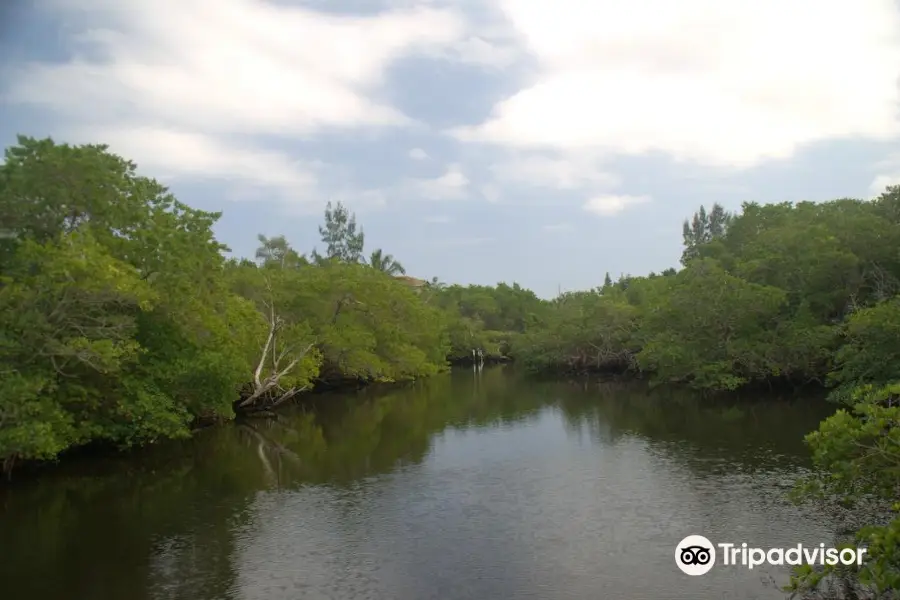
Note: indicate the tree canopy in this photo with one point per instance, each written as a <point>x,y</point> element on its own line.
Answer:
<point>124,321</point>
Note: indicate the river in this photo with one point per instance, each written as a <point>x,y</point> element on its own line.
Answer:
<point>472,486</point>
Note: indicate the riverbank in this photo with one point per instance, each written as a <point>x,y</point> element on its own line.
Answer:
<point>131,338</point>
<point>126,321</point>
<point>409,487</point>
<point>318,397</point>
<point>105,449</point>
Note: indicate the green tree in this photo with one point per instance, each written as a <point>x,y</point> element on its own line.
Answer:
<point>870,352</point>
<point>711,329</point>
<point>607,282</point>
<point>385,263</point>
<point>343,242</point>
<point>857,453</point>
<point>703,228</point>
<point>584,331</point>
<point>117,323</point>
<point>277,251</point>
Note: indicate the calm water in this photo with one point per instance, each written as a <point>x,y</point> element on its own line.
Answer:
<point>468,487</point>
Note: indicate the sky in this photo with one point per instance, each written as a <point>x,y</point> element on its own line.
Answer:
<point>529,141</point>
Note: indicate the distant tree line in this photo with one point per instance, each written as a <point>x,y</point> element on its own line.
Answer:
<point>122,321</point>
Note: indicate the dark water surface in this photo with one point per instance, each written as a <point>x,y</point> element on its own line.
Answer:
<point>475,486</point>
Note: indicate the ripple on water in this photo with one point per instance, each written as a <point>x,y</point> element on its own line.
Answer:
<point>540,520</point>
<point>476,487</point>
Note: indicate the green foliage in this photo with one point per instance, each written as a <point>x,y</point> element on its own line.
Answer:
<point>385,263</point>
<point>703,229</point>
<point>785,292</point>
<point>857,452</point>
<point>121,321</point>
<point>711,328</point>
<point>276,251</point>
<point>870,353</point>
<point>486,318</point>
<point>586,329</point>
<point>339,233</point>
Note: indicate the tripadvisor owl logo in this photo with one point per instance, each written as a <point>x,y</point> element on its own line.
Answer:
<point>695,555</point>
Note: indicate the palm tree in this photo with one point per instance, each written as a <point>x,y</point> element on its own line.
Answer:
<point>386,263</point>
<point>277,251</point>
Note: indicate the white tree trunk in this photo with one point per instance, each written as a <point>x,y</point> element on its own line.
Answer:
<point>266,387</point>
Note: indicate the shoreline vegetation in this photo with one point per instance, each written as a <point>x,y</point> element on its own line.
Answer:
<point>124,322</point>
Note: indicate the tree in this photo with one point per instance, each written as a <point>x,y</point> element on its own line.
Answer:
<point>607,282</point>
<point>702,229</point>
<point>870,352</point>
<point>856,452</point>
<point>339,234</point>
<point>587,331</point>
<point>276,251</point>
<point>122,321</point>
<point>117,324</point>
<point>385,263</point>
<point>710,329</point>
<point>718,222</point>
<point>284,352</point>
<point>67,319</point>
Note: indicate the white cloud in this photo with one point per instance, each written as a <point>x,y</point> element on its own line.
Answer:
<point>719,82</point>
<point>560,173</point>
<point>418,154</point>
<point>888,174</point>
<point>172,153</point>
<point>438,219</point>
<point>491,192</point>
<point>478,51</point>
<point>606,206</point>
<point>882,181</point>
<point>165,71</point>
<point>453,184</point>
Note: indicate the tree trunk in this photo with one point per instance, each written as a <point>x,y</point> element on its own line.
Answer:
<point>266,393</point>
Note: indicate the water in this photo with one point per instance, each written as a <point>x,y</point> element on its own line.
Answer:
<point>466,487</point>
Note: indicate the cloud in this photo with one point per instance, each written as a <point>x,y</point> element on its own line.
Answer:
<point>717,82</point>
<point>888,174</point>
<point>173,153</point>
<point>559,173</point>
<point>452,185</point>
<point>491,192</point>
<point>883,181</point>
<point>489,41</point>
<point>166,71</point>
<point>606,206</point>
<point>557,228</point>
<point>438,219</point>
<point>418,154</point>
<point>478,51</point>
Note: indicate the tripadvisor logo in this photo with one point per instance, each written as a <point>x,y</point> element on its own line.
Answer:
<point>696,555</point>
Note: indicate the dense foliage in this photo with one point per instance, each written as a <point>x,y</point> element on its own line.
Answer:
<point>786,293</point>
<point>777,293</point>
<point>123,321</point>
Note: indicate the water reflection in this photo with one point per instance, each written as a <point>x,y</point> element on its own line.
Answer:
<point>476,485</point>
